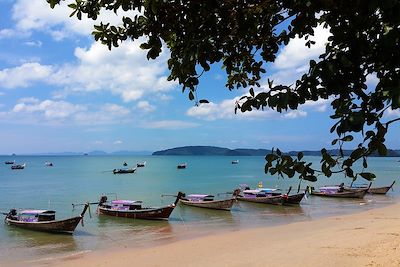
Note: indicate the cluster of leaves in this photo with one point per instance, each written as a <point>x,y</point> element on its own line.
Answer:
<point>244,35</point>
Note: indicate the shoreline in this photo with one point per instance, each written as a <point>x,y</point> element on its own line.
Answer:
<point>367,238</point>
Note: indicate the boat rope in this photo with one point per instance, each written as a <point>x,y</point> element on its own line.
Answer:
<point>183,221</point>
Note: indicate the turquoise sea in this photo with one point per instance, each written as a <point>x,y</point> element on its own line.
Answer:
<point>78,179</point>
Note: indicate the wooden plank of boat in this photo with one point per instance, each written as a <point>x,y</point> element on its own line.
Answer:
<point>293,199</point>
<point>161,213</point>
<point>224,204</point>
<point>53,226</point>
<point>275,200</point>
<point>373,190</point>
<point>359,193</point>
<point>123,171</point>
<point>380,190</point>
<point>281,199</point>
<point>136,211</point>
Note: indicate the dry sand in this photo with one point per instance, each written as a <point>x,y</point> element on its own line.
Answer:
<point>370,238</point>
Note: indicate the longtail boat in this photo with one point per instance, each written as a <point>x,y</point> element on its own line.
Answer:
<point>9,162</point>
<point>133,209</point>
<point>43,220</point>
<point>49,164</point>
<point>141,164</point>
<point>372,190</point>
<point>339,191</point>
<point>181,166</point>
<point>270,196</point>
<point>207,201</point>
<point>122,171</point>
<point>18,166</point>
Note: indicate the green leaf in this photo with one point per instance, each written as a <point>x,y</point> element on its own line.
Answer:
<point>251,91</point>
<point>191,95</point>
<point>368,176</point>
<point>382,150</point>
<point>311,178</point>
<point>300,155</point>
<point>347,138</point>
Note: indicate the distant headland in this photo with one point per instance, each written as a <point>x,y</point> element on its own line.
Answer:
<point>221,151</point>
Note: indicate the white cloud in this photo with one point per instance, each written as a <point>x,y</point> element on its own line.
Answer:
<point>117,142</point>
<point>225,110</point>
<point>36,15</point>
<point>296,54</point>
<point>169,124</point>
<point>124,71</point>
<point>145,106</point>
<point>321,105</point>
<point>293,114</point>
<point>34,111</point>
<point>293,59</point>
<point>34,43</point>
<point>28,100</point>
<point>7,33</point>
<point>372,81</point>
<point>49,108</point>
<point>390,113</point>
<point>24,75</point>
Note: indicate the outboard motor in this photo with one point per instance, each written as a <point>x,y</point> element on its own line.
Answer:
<point>236,192</point>
<point>103,199</point>
<point>12,214</point>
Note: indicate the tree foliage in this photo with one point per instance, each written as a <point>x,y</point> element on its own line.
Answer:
<point>244,36</point>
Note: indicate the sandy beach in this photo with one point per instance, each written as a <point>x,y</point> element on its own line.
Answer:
<point>370,238</point>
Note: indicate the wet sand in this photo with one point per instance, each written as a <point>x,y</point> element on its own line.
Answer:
<point>369,238</point>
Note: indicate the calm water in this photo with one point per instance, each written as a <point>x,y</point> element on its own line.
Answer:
<point>77,179</point>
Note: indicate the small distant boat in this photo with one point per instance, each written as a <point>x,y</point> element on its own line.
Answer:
<point>236,161</point>
<point>9,162</point>
<point>133,209</point>
<point>18,166</point>
<point>372,190</point>
<point>207,201</point>
<point>43,220</point>
<point>120,171</point>
<point>49,164</point>
<point>125,164</point>
<point>339,191</point>
<point>141,164</point>
<point>182,166</point>
<point>270,196</point>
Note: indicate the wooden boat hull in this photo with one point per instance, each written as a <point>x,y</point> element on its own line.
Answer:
<point>373,190</point>
<point>275,200</point>
<point>225,204</point>
<point>294,199</point>
<point>123,171</point>
<point>379,190</point>
<point>162,213</point>
<point>60,226</point>
<point>345,194</point>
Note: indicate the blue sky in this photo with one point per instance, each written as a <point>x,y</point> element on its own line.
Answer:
<point>62,91</point>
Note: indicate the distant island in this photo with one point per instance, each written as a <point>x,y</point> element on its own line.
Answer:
<point>221,151</point>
